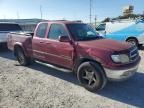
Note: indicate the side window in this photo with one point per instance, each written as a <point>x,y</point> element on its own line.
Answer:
<point>101,27</point>
<point>56,30</point>
<point>41,31</point>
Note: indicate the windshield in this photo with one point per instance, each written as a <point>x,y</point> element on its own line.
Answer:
<point>83,32</point>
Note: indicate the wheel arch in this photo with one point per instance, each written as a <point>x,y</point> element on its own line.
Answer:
<point>18,45</point>
<point>82,60</point>
<point>132,37</point>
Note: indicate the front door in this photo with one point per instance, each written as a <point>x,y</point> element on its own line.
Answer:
<point>60,53</point>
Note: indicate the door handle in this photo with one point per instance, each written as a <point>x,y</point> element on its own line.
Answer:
<point>41,42</point>
<point>48,43</point>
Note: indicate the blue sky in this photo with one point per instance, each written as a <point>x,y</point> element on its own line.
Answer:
<point>68,9</point>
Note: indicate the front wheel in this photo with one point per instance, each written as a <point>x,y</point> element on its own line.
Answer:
<point>91,76</point>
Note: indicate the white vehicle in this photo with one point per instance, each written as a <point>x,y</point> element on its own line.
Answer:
<point>6,28</point>
<point>123,30</point>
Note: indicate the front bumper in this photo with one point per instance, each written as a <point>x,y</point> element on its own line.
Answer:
<point>120,75</point>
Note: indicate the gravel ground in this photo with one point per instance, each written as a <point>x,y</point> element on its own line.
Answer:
<point>45,86</point>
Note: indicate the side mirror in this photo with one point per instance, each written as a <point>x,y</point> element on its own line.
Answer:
<point>64,39</point>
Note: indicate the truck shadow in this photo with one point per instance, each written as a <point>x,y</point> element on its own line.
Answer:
<point>141,48</point>
<point>129,92</point>
<point>63,74</point>
<point>5,53</point>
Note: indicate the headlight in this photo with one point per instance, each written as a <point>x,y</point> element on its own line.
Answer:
<point>122,58</point>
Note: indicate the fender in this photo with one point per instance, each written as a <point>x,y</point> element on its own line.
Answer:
<point>131,37</point>
<point>80,60</point>
<point>18,44</point>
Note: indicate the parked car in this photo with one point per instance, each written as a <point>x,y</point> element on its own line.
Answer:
<point>76,46</point>
<point>6,28</point>
<point>123,30</point>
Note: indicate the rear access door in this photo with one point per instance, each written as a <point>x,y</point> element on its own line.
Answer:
<point>38,41</point>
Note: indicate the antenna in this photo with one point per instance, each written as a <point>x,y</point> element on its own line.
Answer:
<point>90,11</point>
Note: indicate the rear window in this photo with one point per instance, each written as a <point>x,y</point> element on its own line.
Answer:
<point>10,27</point>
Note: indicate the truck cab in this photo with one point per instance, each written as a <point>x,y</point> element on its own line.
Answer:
<point>47,46</point>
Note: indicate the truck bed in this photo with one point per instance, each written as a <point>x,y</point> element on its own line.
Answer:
<point>24,39</point>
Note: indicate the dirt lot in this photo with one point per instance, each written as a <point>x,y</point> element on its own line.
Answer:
<point>43,86</point>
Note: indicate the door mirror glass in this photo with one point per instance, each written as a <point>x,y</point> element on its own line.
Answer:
<point>64,39</point>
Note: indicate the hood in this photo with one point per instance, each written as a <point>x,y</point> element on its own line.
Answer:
<point>105,44</point>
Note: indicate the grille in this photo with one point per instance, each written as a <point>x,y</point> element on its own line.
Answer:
<point>134,54</point>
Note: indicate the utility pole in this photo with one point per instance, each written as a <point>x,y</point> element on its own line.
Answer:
<point>95,20</point>
<point>90,11</point>
<point>41,13</point>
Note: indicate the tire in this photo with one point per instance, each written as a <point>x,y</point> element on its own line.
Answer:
<point>133,42</point>
<point>22,59</point>
<point>91,76</point>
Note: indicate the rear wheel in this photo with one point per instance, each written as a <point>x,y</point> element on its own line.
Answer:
<point>22,59</point>
<point>91,76</point>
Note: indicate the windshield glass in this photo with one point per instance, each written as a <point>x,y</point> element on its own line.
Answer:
<point>83,32</point>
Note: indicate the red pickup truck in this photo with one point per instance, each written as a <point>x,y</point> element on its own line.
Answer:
<point>76,46</point>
